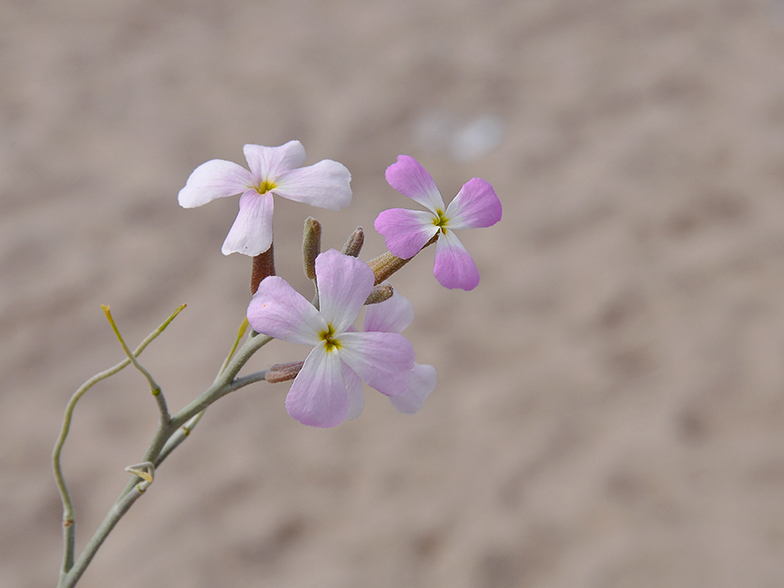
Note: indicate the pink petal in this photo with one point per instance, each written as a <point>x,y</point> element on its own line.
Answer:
<point>325,184</point>
<point>251,233</point>
<point>390,316</point>
<point>382,360</point>
<point>344,283</point>
<point>454,267</point>
<point>476,205</point>
<point>214,179</point>
<point>318,396</point>
<point>408,177</point>
<point>423,382</point>
<point>405,231</point>
<point>356,398</point>
<point>280,311</point>
<point>267,163</point>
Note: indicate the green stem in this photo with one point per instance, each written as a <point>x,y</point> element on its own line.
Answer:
<point>155,389</point>
<point>69,517</point>
<point>224,384</point>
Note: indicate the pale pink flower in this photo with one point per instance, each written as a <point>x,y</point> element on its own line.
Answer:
<point>407,231</point>
<point>329,381</point>
<point>273,170</point>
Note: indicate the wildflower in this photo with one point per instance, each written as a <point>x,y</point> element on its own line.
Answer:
<point>392,316</point>
<point>407,231</point>
<point>329,383</point>
<point>273,170</point>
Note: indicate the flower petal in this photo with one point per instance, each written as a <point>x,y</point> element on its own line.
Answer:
<point>454,267</point>
<point>279,311</point>
<point>344,283</point>
<point>318,396</point>
<point>214,179</point>
<point>423,382</point>
<point>356,398</point>
<point>390,316</point>
<point>476,205</point>
<point>405,231</point>
<point>408,177</point>
<point>251,233</point>
<point>325,184</point>
<point>382,360</point>
<point>267,163</point>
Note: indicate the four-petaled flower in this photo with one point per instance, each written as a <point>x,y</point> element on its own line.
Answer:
<point>328,384</point>
<point>273,170</point>
<point>407,231</point>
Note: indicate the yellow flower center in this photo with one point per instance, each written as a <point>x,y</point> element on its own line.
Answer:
<point>265,187</point>
<point>440,221</point>
<point>331,343</point>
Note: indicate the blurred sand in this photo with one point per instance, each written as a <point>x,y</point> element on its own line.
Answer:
<point>609,410</point>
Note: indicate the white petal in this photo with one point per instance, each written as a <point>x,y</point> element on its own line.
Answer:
<point>251,233</point>
<point>390,316</point>
<point>325,184</point>
<point>318,395</point>
<point>356,398</point>
<point>344,283</point>
<point>267,163</point>
<point>214,179</point>
<point>280,311</point>
<point>423,382</point>
<point>382,360</point>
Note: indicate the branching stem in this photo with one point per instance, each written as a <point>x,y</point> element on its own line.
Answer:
<point>162,443</point>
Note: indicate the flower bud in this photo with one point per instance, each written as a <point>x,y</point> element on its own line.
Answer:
<point>380,293</point>
<point>311,246</point>
<point>354,244</point>
<point>282,372</point>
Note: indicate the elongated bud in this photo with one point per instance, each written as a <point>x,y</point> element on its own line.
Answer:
<point>354,244</point>
<point>311,246</point>
<point>263,266</point>
<point>380,293</point>
<point>282,372</point>
<point>385,265</point>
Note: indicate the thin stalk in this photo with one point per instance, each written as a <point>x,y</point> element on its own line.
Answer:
<point>224,384</point>
<point>185,430</point>
<point>155,389</point>
<point>69,517</point>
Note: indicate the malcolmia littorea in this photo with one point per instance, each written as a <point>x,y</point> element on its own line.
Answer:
<point>327,387</point>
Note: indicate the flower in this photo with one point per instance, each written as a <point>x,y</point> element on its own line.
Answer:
<point>330,381</point>
<point>273,170</point>
<point>407,231</point>
<point>393,316</point>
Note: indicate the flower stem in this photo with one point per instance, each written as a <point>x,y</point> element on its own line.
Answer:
<point>224,383</point>
<point>387,264</point>
<point>69,516</point>
<point>263,266</point>
<point>185,430</point>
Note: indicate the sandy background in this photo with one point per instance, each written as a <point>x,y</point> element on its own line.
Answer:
<point>610,404</point>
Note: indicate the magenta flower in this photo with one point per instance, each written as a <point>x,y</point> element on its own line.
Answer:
<point>393,316</point>
<point>407,231</point>
<point>273,170</point>
<point>326,386</point>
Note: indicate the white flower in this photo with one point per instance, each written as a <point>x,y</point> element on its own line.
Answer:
<point>273,170</point>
